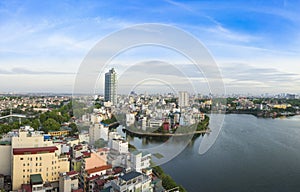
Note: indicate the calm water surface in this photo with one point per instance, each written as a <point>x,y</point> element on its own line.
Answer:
<point>250,154</point>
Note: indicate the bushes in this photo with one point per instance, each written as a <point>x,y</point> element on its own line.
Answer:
<point>167,181</point>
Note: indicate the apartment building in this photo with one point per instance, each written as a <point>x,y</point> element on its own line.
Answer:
<point>39,160</point>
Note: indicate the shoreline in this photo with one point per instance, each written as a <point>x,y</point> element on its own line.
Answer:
<point>167,134</point>
<point>257,114</point>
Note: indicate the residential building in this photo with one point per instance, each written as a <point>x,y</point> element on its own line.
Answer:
<point>39,160</point>
<point>98,131</point>
<point>68,182</point>
<point>26,139</point>
<point>120,146</point>
<point>140,160</point>
<point>5,154</point>
<point>130,119</point>
<point>155,123</point>
<point>132,181</point>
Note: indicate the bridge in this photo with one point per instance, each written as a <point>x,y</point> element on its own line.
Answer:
<point>11,115</point>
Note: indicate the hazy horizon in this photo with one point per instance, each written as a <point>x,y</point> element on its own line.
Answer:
<point>255,43</point>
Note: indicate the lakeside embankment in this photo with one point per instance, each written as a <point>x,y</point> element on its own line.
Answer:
<point>264,114</point>
<point>151,134</point>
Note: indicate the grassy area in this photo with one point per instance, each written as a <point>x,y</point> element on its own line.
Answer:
<point>158,155</point>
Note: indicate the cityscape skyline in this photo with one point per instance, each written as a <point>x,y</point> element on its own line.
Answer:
<point>255,44</point>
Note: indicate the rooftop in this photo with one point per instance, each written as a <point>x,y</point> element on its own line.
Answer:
<point>97,169</point>
<point>22,151</point>
<point>36,179</point>
<point>71,173</point>
<point>131,175</point>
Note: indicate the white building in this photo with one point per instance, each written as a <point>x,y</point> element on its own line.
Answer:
<point>130,119</point>
<point>96,132</point>
<point>144,123</point>
<point>120,146</point>
<point>132,181</point>
<point>155,123</point>
<point>111,136</point>
<point>140,160</point>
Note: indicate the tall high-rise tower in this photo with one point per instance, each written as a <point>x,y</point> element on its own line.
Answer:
<point>110,89</point>
<point>183,100</point>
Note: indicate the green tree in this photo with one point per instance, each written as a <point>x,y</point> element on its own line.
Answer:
<point>74,128</point>
<point>51,125</point>
<point>35,124</point>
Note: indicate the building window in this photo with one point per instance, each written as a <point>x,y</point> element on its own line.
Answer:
<point>40,158</point>
<point>21,158</point>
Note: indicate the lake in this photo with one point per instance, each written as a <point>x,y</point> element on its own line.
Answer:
<point>250,154</point>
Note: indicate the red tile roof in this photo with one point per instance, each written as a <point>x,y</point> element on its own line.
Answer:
<point>100,182</point>
<point>86,154</point>
<point>72,173</point>
<point>97,169</point>
<point>22,151</point>
<point>26,187</point>
<point>77,190</point>
<point>93,177</point>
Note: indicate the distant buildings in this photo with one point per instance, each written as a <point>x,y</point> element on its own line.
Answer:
<point>110,89</point>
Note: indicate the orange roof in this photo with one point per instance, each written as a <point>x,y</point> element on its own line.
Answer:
<point>94,160</point>
<point>97,169</point>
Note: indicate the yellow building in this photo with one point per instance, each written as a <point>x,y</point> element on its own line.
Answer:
<point>282,106</point>
<point>39,160</point>
<point>58,133</point>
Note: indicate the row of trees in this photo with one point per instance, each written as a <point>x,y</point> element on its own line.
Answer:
<point>167,181</point>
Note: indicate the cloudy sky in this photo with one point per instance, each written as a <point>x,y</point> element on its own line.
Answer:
<point>256,44</point>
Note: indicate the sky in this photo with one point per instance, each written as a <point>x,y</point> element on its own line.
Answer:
<point>255,44</point>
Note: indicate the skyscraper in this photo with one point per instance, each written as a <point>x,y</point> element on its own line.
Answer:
<point>183,100</point>
<point>110,89</point>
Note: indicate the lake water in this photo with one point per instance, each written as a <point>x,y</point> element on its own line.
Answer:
<point>250,154</point>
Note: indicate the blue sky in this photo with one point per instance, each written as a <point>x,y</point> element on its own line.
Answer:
<point>255,43</point>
